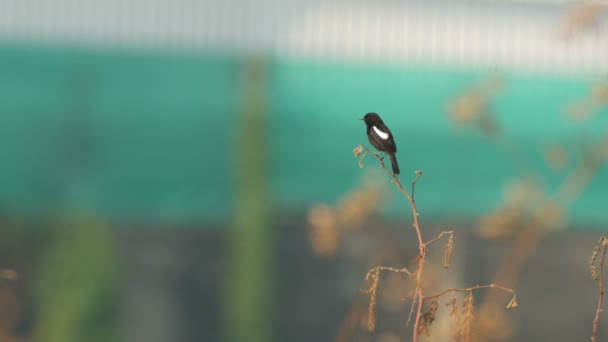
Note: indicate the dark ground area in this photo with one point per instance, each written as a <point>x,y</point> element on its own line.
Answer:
<point>173,277</point>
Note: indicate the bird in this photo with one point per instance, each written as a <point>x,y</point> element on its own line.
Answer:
<point>381,138</point>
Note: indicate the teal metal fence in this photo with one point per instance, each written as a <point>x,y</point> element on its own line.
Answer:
<point>150,134</point>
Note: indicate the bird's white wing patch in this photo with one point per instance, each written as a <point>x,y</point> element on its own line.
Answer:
<point>380,133</point>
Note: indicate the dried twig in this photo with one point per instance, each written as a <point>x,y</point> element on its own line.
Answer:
<point>468,316</point>
<point>374,276</point>
<point>512,302</point>
<point>447,251</point>
<point>438,237</point>
<point>602,243</point>
<point>422,321</point>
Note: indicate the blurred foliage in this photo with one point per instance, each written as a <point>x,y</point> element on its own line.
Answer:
<point>251,277</point>
<point>582,17</point>
<point>329,224</point>
<point>74,289</point>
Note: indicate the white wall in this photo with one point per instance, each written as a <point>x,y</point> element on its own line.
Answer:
<point>507,34</point>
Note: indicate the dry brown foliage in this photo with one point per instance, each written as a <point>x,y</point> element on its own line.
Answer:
<point>529,211</point>
<point>585,15</point>
<point>330,224</point>
<point>473,106</point>
<point>602,244</point>
<point>423,314</point>
<point>8,274</point>
<point>591,104</point>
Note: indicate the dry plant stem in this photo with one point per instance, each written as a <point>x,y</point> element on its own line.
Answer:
<point>449,232</point>
<point>400,186</point>
<point>421,245</point>
<point>473,288</point>
<point>418,294</point>
<point>374,276</point>
<point>379,269</point>
<point>603,243</point>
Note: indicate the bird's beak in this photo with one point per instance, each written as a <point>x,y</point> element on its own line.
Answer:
<point>360,118</point>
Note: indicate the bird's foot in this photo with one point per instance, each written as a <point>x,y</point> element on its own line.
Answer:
<point>380,156</point>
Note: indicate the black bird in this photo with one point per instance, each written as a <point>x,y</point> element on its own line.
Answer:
<point>381,137</point>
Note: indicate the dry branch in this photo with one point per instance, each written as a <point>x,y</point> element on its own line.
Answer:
<point>602,243</point>
<point>422,321</point>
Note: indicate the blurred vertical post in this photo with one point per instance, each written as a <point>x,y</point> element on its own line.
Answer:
<point>249,294</point>
<point>75,291</point>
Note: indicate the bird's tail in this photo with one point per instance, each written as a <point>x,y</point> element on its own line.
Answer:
<point>394,164</point>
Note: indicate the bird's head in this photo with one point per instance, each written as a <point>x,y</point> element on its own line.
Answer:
<point>371,119</point>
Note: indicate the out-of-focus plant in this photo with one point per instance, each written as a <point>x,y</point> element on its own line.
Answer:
<point>22,244</point>
<point>248,290</point>
<point>75,288</point>
<point>528,211</point>
<point>583,16</point>
<point>329,225</point>
<point>9,306</point>
<point>585,108</point>
<point>474,106</point>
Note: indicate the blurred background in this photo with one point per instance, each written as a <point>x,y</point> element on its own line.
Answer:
<point>183,170</point>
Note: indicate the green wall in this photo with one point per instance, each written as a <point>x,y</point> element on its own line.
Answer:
<point>150,134</point>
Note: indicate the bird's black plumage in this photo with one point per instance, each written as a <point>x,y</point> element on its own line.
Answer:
<point>381,138</point>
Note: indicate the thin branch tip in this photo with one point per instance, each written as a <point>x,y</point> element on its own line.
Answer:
<point>421,320</point>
